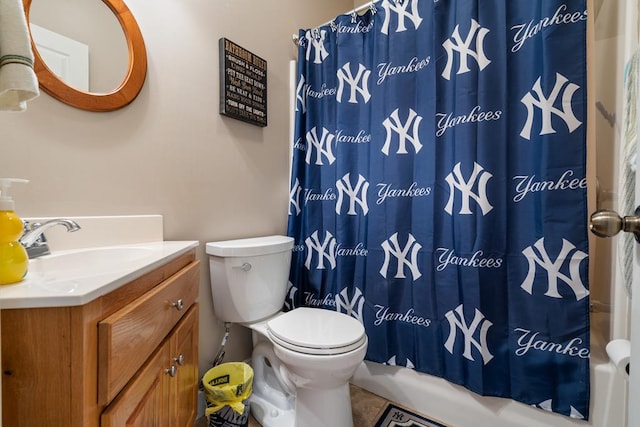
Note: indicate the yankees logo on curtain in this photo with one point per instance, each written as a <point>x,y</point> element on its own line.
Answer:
<point>439,193</point>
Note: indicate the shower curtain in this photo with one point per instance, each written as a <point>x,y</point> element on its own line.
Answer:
<point>438,190</point>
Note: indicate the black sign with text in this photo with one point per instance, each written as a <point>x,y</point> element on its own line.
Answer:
<point>243,84</point>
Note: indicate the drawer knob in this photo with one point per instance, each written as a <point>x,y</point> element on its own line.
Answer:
<point>179,360</point>
<point>179,305</point>
<point>172,371</point>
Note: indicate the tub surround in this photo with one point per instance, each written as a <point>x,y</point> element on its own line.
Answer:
<point>457,406</point>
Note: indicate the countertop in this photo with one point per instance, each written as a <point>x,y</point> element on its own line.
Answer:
<point>78,286</point>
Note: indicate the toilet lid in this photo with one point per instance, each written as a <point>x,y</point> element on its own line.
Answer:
<point>316,331</point>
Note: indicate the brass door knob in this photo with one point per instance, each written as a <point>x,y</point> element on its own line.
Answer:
<point>607,223</point>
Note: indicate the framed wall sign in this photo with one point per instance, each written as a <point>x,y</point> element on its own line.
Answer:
<point>243,84</point>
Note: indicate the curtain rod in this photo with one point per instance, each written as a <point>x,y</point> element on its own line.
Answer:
<point>351,12</point>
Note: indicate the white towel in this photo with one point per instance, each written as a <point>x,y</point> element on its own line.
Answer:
<point>628,167</point>
<point>18,82</point>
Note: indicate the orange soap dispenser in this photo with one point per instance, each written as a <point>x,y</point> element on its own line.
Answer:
<point>13,257</point>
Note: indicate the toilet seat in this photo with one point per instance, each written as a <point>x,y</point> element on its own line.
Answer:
<point>316,331</point>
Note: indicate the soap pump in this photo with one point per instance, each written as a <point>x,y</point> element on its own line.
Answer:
<point>13,256</point>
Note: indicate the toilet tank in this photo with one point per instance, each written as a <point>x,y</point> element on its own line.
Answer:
<point>249,277</point>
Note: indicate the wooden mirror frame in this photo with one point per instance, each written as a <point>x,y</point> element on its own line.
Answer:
<point>123,94</point>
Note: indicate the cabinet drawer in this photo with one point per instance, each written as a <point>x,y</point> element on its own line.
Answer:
<point>129,336</point>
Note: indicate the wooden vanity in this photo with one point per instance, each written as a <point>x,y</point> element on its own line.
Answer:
<point>128,357</point>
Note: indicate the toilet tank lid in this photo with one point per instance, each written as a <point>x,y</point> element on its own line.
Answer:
<point>250,247</point>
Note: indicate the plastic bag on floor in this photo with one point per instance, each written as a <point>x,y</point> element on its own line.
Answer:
<point>227,388</point>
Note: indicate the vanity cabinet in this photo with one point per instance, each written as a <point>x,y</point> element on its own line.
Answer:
<point>161,393</point>
<point>126,358</point>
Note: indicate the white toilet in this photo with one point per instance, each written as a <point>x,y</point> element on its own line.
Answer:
<point>302,359</point>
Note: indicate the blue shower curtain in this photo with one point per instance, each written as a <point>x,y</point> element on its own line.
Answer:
<point>438,190</point>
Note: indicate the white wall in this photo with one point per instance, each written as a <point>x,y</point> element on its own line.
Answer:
<point>170,152</point>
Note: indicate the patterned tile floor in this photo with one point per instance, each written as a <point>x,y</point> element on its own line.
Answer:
<point>365,406</point>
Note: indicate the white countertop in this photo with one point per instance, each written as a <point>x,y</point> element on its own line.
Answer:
<point>97,277</point>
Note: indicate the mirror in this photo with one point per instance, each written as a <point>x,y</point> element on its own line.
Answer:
<point>79,97</point>
<point>89,54</point>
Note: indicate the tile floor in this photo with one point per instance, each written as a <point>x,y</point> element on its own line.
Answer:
<point>366,408</point>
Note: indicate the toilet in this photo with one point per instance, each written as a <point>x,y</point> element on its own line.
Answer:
<point>302,359</point>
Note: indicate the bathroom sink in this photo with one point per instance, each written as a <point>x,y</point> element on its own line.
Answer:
<point>77,276</point>
<point>91,261</point>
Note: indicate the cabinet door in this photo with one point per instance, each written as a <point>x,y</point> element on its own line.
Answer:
<point>129,336</point>
<point>164,392</point>
<point>185,383</point>
<point>35,388</point>
<point>143,403</point>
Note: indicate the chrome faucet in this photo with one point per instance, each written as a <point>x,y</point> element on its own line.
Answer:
<point>34,240</point>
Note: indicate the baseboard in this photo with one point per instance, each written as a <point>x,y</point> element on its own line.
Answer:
<point>202,404</point>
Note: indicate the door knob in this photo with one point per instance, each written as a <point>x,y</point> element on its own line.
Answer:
<point>607,223</point>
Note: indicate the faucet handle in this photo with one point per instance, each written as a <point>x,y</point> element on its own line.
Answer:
<point>40,246</point>
<point>30,225</point>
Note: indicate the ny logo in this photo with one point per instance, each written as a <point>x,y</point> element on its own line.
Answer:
<point>392,247</point>
<point>290,299</point>
<point>325,250</point>
<point>547,405</point>
<point>358,84</point>
<point>344,186</point>
<point>398,415</point>
<point>546,106</point>
<point>553,269</point>
<point>393,124</point>
<point>400,9</point>
<point>351,306</point>
<point>457,321</point>
<point>316,37</point>
<point>322,145</point>
<point>392,362</point>
<point>464,49</point>
<point>478,177</point>
<point>294,197</point>
<point>301,98</point>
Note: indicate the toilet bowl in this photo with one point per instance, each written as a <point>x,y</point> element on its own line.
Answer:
<point>307,372</point>
<point>302,359</point>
